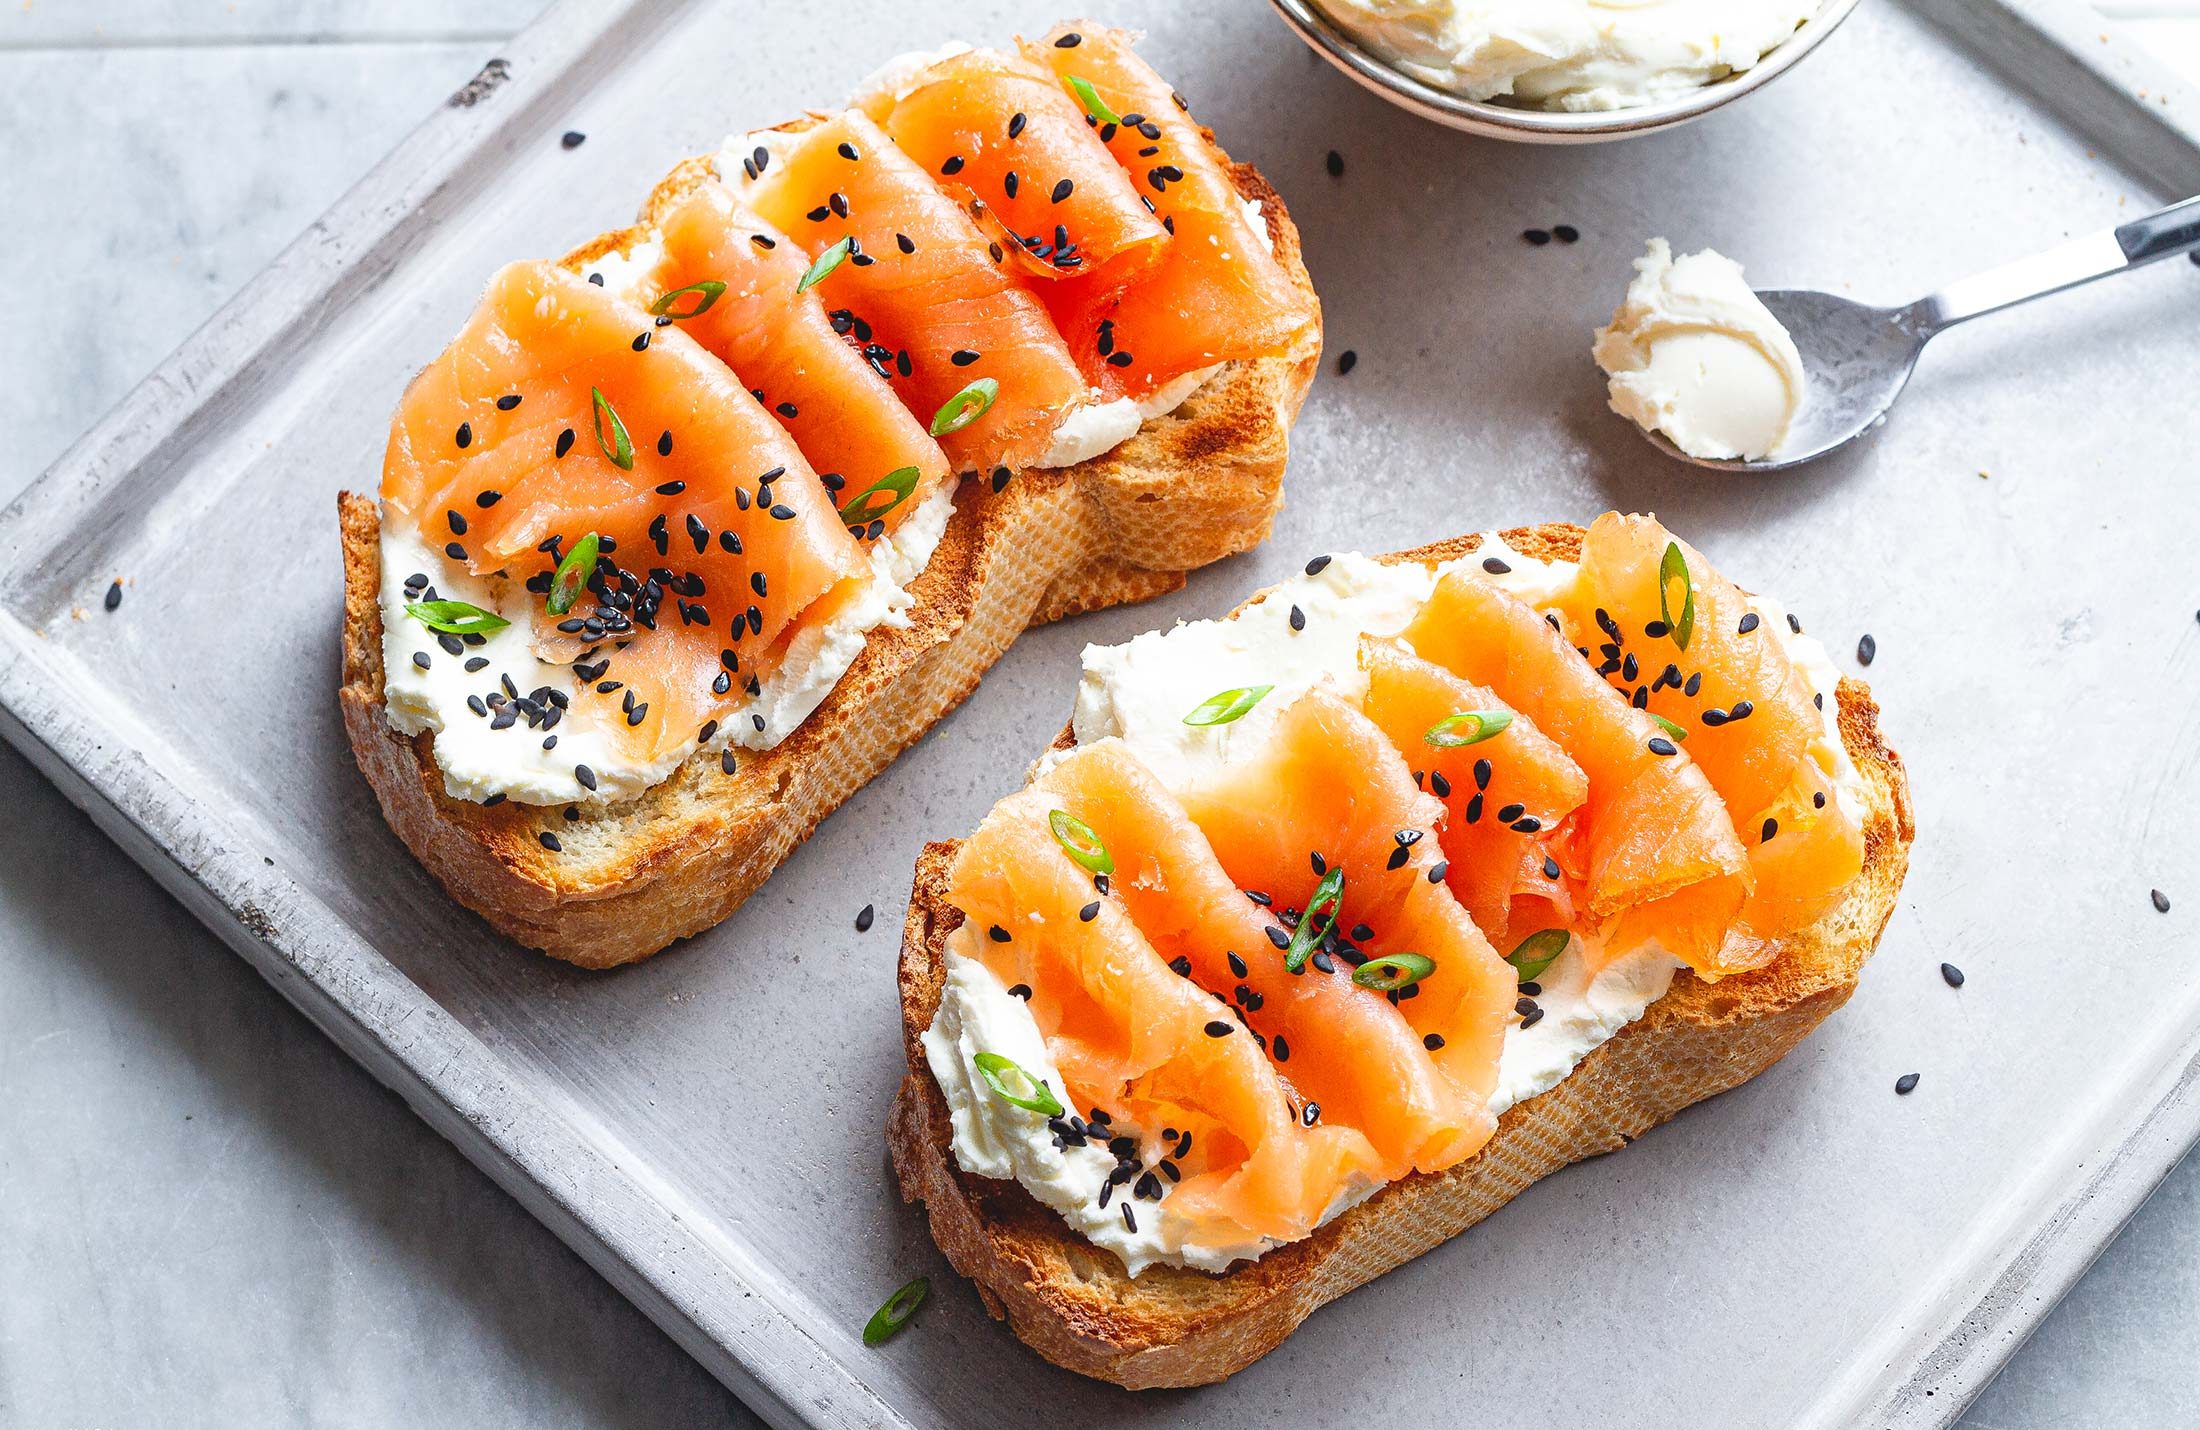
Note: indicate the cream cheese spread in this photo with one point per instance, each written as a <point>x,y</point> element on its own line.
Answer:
<point>1138,692</point>
<point>1571,54</point>
<point>481,759</point>
<point>1692,352</point>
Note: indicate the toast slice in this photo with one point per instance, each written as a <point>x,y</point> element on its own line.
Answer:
<point>1194,486</point>
<point>1074,1304</point>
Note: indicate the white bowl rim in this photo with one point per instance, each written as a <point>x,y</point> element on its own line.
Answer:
<point>1333,43</point>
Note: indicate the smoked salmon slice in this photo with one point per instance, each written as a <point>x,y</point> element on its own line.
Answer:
<point>1006,139</point>
<point>734,283</point>
<point>1137,1041</point>
<point>976,358</point>
<point>563,411</point>
<point>1217,293</point>
<point>1326,801</point>
<point>1670,626</point>
<point>1342,1047</point>
<point>1508,789</point>
<point>1659,855</point>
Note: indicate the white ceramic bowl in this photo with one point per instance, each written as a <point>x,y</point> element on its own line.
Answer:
<point>1538,126</point>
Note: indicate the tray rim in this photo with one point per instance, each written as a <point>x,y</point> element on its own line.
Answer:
<point>1920,1366</point>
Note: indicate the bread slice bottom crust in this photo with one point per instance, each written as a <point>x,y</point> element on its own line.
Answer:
<point>1074,1304</point>
<point>1194,486</point>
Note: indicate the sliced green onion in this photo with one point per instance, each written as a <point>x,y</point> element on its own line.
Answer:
<point>895,486</point>
<point>1668,726</point>
<point>621,449</point>
<point>1080,841</point>
<point>1328,897</point>
<point>455,618</point>
<point>1537,952</point>
<point>895,1314</point>
<point>1674,567</point>
<point>1468,727</point>
<point>1028,1092</point>
<point>827,261</point>
<point>707,292</point>
<point>1395,970</point>
<point>1221,709</point>
<point>965,407</point>
<point>1090,98</point>
<point>572,574</point>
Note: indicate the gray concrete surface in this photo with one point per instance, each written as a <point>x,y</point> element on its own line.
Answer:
<point>208,1216</point>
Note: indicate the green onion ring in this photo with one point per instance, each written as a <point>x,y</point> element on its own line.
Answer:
<point>895,1314</point>
<point>1393,970</point>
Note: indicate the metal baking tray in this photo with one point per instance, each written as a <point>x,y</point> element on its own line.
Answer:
<point>705,1128</point>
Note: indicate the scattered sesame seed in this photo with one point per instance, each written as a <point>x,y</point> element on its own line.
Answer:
<point>1335,164</point>
<point>1298,619</point>
<point>1220,1029</point>
<point>997,934</point>
<point>585,775</point>
<point>1062,190</point>
<point>1069,41</point>
<point>1495,565</point>
<point>1566,233</point>
<point>2161,901</point>
<point>1346,361</point>
<point>1318,565</point>
<point>572,139</point>
<point>1659,745</point>
<point>1952,974</point>
<point>1089,912</point>
<point>1905,1084</point>
<point>1537,236</point>
<point>565,441</point>
<point>1866,650</point>
<point>863,919</point>
<point>550,841</point>
<point>114,595</point>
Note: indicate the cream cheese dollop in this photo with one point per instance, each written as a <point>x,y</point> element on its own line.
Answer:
<point>1579,55</point>
<point>1693,353</point>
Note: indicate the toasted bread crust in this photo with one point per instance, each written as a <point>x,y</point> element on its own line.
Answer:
<point>1200,484</point>
<point>1074,1304</point>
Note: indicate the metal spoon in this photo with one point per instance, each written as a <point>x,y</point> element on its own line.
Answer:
<point>1857,358</point>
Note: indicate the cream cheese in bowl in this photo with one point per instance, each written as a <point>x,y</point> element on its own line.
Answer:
<point>1570,55</point>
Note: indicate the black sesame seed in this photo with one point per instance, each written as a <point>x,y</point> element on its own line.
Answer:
<point>1020,990</point>
<point>1771,827</point>
<point>1061,191</point>
<point>2161,901</point>
<point>1089,912</point>
<point>1310,1114</point>
<point>1220,1029</point>
<point>671,489</point>
<point>465,435</point>
<point>1659,745</point>
<point>1347,360</point>
<point>997,934</point>
<point>863,919</point>
<point>847,151</point>
<point>1318,565</point>
<point>1298,619</point>
<point>1000,477</point>
<point>1180,966</point>
<point>1866,649</point>
<point>1566,233</point>
<point>455,551</point>
<point>1532,1017</point>
<point>664,444</point>
<point>1278,937</point>
<point>1905,1084</point>
<point>1952,974</point>
<point>962,357</point>
<point>1008,183</point>
<point>1506,814</point>
<point>1537,236</point>
<point>953,165</point>
<point>1495,565</point>
<point>585,775</point>
<point>572,139</point>
<point>1399,856</point>
<point>565,441</point>
<point>549,841</point>
<point>1323,962</point>
<point>725,761</point>
<point>114,595</point>
<point>1748,624</point>
<point>783,512</point>
<point>420,658</point>
<point>641,340</point>
<point>1335,164</point>
<point>485,500</point>
<point>1069,41</point>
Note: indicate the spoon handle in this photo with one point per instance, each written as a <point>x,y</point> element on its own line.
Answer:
<point>2166,234</point>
